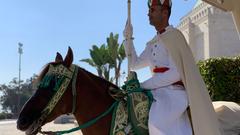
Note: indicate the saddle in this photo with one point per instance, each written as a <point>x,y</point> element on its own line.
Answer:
<point>130,116</point>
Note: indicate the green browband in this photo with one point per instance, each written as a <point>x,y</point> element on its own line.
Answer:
<point>62,77</point>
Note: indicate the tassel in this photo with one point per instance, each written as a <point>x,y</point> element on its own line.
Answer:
<point>59,83</point>
<point>45,82</point>
<point>58,80</point>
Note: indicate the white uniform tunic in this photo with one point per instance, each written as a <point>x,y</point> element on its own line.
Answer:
<point>168,114</point>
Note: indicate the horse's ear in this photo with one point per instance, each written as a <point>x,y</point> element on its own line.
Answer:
<point>69,58</point>
<point>58,58</point>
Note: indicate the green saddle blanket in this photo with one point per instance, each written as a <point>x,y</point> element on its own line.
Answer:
<point>130,116</point>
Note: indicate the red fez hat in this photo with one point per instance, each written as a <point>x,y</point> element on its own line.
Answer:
<point>167,3</point>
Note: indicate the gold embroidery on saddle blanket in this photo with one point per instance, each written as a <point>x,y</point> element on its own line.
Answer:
<point>140,108</point>
<point>130,117</point>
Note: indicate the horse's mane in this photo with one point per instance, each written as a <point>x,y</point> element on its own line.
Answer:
<point>100,79</point>
<point>46,67</point>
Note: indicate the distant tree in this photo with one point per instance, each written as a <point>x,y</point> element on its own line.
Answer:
<point>12,96</point>
<point>107,57</point>
<point>117,55</point>
<point>101,60</point>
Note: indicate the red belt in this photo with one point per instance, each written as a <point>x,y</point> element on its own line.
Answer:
<point>164,69</point>
<point>160,69</point>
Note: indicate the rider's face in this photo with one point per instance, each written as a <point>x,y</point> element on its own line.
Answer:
<point>158,15</point>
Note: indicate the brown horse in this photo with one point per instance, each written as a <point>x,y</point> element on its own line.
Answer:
<point>92,100</point>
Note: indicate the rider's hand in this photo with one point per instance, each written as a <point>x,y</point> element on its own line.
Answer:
<point>128,31</point>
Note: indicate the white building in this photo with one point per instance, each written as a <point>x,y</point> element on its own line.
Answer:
<point>210,32</point>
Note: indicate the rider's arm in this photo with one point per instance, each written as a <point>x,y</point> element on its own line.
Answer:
<point>134,61</point>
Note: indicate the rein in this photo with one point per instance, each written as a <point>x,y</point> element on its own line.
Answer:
<point>65,75</point>
<point>85,125</point>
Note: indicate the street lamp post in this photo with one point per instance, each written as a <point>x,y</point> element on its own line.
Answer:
<point>20,51</point>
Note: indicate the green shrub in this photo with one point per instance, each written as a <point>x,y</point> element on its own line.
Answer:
<point>4,115</point>
<point>222,78</point>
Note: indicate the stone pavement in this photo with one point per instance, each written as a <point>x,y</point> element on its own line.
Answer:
<point>9,128</point>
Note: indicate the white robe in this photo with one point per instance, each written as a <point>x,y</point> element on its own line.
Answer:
<point>168,112</point>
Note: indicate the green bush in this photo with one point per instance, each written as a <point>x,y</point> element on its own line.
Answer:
<point>4,115</point>
<point>222,78</point>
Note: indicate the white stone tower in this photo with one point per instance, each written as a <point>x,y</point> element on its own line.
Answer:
<point>210,32</point>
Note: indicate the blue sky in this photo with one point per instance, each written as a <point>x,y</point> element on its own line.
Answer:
<point>47,26</point>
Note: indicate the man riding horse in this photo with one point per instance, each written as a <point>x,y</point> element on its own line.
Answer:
<point>176,83</point>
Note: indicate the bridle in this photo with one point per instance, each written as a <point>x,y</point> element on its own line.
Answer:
<point>63,76</point>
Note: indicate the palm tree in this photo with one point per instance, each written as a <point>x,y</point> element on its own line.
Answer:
<point>99,59</point>
<point>107,57</point>
<point>117,54</point>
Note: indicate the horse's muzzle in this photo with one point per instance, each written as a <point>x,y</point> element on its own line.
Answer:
<point>23,123</point>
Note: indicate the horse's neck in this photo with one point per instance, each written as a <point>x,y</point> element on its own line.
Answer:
<point>93,100</point>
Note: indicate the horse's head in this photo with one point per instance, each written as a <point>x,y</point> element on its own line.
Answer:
<point>56,76</point>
